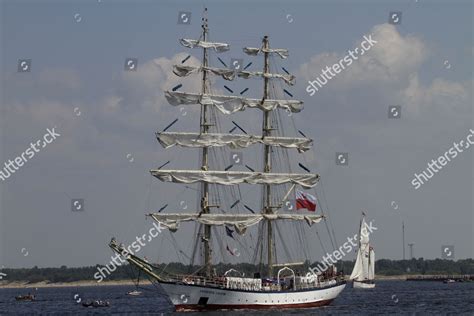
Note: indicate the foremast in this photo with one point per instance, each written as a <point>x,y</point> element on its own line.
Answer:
<point>205,153</point>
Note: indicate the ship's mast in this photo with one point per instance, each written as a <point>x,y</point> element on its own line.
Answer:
<point>205,163</point>
<point>267,165</point>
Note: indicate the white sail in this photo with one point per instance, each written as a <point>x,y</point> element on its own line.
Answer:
<point>363,234</point>
<point>371,273</point>
<point>283,53</point>
<point>238,221</point>
<point>364,265</point>
<point>231,104</point>
<point>235,177</point>
<point>289,79</point>
<point>218,47</point>
<point>234,141</point>
<point>183,71</point>
<point>358,270</point>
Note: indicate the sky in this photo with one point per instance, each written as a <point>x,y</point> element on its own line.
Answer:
<point>107,117</point>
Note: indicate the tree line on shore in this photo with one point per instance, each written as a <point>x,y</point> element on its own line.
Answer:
<point>125,272</point>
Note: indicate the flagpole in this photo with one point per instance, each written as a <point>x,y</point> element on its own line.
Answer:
<point>287,194</point>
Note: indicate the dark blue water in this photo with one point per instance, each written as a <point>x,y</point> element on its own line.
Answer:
<point>389,297</point>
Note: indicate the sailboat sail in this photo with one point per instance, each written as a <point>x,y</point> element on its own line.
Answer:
<point>364,266</point>
<point>235,177</point>
<point>371,275</point>
<point>238,221</point>
<point>234,141</point>
<point>358,270</point>
<point>218,47</point>
<point>231,104</point>
<point>184,71</point>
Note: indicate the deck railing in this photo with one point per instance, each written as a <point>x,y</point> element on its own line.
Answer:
<point>220,282</point>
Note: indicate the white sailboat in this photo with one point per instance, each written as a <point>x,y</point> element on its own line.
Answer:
<point>363,274</point>
<point>275,284</point>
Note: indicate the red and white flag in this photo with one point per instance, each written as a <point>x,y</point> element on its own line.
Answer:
<point>305,200</point>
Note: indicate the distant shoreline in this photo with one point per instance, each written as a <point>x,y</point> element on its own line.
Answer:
<point>26,285</point>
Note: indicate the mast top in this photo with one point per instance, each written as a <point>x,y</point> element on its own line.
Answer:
<point>204,19</point>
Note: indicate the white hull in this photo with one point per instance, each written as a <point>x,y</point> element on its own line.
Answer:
<point>362,285</point>
<point>194,297</point>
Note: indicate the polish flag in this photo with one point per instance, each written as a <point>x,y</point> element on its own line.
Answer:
<point>306,201</point>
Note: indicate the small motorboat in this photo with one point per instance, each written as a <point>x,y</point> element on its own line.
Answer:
<point>27,298</point>
<point>96,303</point>
<point>449,281</point>
<point>134,293</point>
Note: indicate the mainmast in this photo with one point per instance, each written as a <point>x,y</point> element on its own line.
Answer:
<point>267,165</point>
<point>205,153</point>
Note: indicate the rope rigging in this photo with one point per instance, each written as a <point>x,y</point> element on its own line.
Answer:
<point>221,197</point>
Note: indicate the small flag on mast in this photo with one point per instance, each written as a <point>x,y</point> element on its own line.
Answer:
<point>305,200</point>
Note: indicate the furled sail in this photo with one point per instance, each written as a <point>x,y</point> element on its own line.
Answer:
<point>234,141</point>
<point>239,221</point>
<point>218,47</point>
<point>283,53</point>
<point>289,79</point>
<point>231,104</point>
<point>183,71</point>
<point>235,177</point>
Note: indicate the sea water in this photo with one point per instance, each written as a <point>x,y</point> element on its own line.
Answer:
<point>388,297</point>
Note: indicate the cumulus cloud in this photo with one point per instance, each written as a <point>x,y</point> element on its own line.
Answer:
<point>441,95</point>
<point>145,86</point>
<point>137,98</point>
<point>389,70</point>
<point>134,99</point>
<point>133,103</point>
<point>391,59</point>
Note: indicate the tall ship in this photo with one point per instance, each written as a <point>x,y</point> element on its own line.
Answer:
<point>363,273</point>
<point>270,237</point>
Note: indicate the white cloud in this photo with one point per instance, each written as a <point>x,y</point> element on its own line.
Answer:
<point>145,86</point>
<point>137,104</point>
<point>390,71</point>
<point>391,59</point>
<point>440,95</point>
